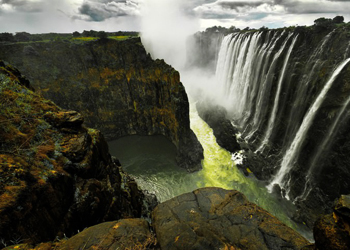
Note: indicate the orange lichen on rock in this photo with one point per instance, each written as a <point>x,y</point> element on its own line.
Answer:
<point>55,174</point>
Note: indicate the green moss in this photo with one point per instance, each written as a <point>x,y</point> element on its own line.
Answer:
<point>119,38</point>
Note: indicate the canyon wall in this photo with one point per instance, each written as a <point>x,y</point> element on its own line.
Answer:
<point>115,85</point>
<point>56,175</point>
<point>287,90</point>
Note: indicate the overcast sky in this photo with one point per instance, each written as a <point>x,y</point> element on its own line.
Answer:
<point>42,16</point>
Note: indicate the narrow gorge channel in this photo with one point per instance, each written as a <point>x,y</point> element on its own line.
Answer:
<point>151,161</point>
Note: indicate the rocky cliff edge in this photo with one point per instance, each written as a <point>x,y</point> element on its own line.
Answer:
<point>115,85</point>
<point>56,175</point>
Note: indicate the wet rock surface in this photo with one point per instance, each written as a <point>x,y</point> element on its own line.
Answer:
<point>216,117</point>
<point>207,218</point>
<point>214,218</point>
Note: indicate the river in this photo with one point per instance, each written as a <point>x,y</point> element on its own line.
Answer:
<point>151,161</point>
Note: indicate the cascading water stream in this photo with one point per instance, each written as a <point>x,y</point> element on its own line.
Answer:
<point>265,89</point>
<point>322,147</point>
<point>271,123</point>
<point>292,153</point>
<point>304,88</point>
<point>250,71</point>
<point>242,63</point>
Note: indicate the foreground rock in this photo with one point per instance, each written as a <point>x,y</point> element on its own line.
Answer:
<point>332,231</point>
<point>214,218</point>
<point>207,218</point>
<point>117,87</point>
<point>56,176</point>
<point>123,234</point>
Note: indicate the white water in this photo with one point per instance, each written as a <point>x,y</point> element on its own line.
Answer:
<point>313,65</point>
<point>321,150</point>
<point>248,67</point>
<point>271,123</point>
<point>292,153</point>
<point>242,65</point>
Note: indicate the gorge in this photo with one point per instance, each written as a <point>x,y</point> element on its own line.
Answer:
<point>287,93</point>
<point>116,86</point>
<point>283,93</point>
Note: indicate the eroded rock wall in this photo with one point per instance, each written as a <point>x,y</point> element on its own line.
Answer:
<point>274,109</point>
<point>56,175</point>
<point>117,87</point>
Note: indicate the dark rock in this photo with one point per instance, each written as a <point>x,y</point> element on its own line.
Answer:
<point>53,182</point>
<point>332,231</point>
<point>216,117</point>
<point>214,218</point>
<point>116,86</point>
<point>123,234</point>
<point>315,56</point>
<point>342,207</point>
<point>64,119</point>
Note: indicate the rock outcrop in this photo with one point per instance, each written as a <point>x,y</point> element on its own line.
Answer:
<point>332,231</point>
<point>207,218</point>
<point>122,234</point>
<point>214,218</point>
<point>56,175</point>
<point>115,85</point>
<point>216,117</point>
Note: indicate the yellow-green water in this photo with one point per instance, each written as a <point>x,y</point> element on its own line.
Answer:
<point>151,161</point>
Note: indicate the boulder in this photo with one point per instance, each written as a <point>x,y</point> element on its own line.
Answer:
<point>214,218</point>
<point>122,234</point>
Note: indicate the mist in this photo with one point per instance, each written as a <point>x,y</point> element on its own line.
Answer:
<point>165,27</point>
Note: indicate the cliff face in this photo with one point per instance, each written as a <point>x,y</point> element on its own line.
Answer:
<point>116,86</point>
<point>207,218</point>
<point>56,175</point>
<point>284,74</point>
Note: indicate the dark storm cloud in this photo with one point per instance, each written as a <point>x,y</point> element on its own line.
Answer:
<point>20,5</point>
<point>237,5</point>
<point>95,10</point>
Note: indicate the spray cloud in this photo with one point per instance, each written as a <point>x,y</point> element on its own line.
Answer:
<point>165,26</point>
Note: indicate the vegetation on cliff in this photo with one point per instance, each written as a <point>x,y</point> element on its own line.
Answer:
<point>115,84</point>
<point>56,176</point>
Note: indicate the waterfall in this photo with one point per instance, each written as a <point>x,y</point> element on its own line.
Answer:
<point>273,84</point>
<point>271,123</point>
<point>243,62</point>
<point>322,147</point>
<point>304,88</point>
<point>293,151</point>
